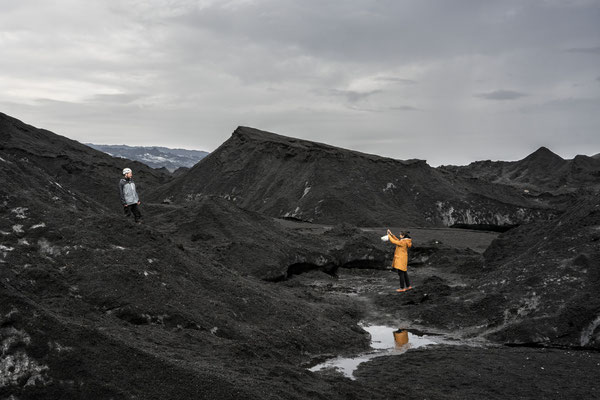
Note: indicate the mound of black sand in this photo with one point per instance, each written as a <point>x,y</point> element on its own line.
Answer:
<point>71,164</point>
<point>95,306</point>
<point>290,178</point>
<point>549,275</point>
<point>253,244</point>
<point>460,372</point>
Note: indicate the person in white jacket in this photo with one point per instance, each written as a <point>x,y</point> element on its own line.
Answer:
<point>129,196</point>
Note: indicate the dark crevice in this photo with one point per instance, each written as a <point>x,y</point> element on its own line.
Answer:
<point>304,267</point>
<point>294,219</point>
<point>485,227</point>
<point>301,268</point>
<point>329,268</point>
<point>364,264</point>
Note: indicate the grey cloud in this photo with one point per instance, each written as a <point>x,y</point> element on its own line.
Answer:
<point>501,95</point>
<point>571,105</point>
<point>382,109</point>
<point>351,30</point>
<point>352,96</point>
<point>585,50</point>
<point>189,74</point>
<point>282,40</point>
<point>114,98</point>
<point>404,108</point>
<point>396,80</point>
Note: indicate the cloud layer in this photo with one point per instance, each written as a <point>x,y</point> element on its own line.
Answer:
<point>450,82</point>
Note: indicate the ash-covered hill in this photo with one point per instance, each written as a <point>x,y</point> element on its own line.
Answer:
<point>260,246</point>
<point>540,172</point>
<point>155,157</point>
<point>291,178</point>
<point>537,284</point>
<point>548,274</point>
<point>71,164</point>
<point>95,306</point>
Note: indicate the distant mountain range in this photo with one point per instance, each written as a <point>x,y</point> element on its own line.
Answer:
<point>541,172</point>
<point>155,157</point>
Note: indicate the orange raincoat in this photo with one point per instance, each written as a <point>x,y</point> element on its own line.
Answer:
<point>401,253</point>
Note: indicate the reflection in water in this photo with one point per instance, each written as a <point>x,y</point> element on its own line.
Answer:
<point>385,340</point>
<point>401,338</point>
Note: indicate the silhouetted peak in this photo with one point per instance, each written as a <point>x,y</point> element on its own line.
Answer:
<point>246,132</point>
<point>544,155</point>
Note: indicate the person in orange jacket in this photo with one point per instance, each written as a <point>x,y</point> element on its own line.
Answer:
<point>401,258</point>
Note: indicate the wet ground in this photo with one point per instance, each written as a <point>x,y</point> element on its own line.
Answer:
<point>458,365</point>
<point>461,364</point>
<point>385,340</point>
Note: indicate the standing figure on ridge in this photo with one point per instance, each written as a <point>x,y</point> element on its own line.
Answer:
<point>129,196</point>
<point>401,258</point>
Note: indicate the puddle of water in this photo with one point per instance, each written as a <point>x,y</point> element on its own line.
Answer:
<point>385,341</point>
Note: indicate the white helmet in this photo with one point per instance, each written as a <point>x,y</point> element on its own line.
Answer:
<point>126,170</point>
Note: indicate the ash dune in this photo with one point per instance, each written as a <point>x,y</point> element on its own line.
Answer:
<point>289,178</point>
<point>222,295</point>
<point>88,298</point>
<point>547,273</point>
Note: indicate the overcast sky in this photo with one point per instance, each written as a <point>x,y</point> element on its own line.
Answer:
<point>446,81</point>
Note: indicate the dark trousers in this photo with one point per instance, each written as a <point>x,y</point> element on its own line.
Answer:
<point>135,210</point>
<point>404,282</point>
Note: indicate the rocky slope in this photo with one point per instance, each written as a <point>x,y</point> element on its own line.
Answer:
<point>548,275</point>
<point>541,173</point>
<point>256,245</point>
<point>290,178</point>
<point>535,285</point>
<point>95,306</point>
<point>71,164</point>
